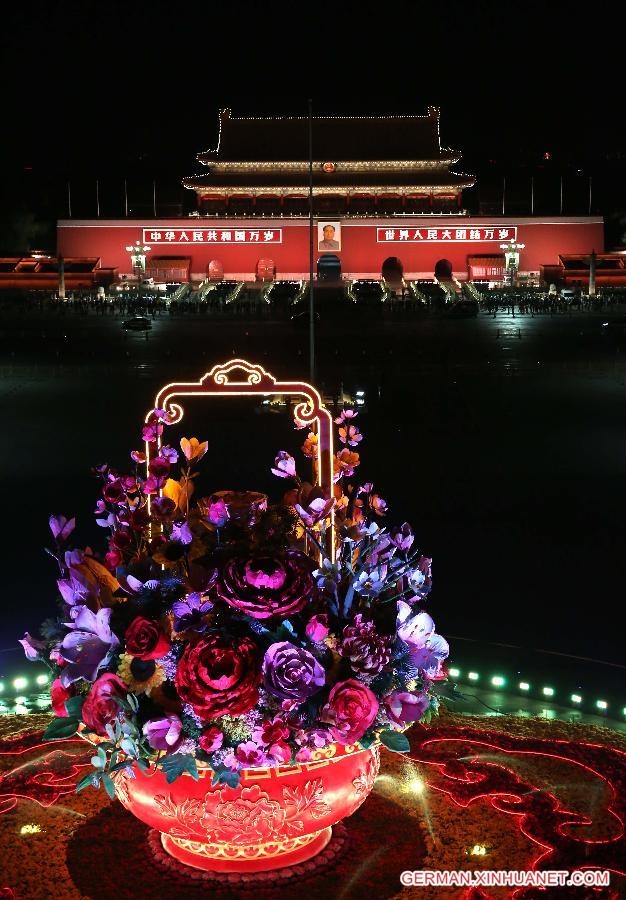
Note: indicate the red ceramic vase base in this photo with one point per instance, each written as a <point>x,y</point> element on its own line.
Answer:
<point>249,859</point>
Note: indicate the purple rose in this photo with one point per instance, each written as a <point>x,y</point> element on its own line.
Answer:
<point>163,734</point>
<point>291,673</point>
<point>88,646</point>
<point>403,707</point>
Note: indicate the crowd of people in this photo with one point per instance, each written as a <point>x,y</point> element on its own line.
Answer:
<point>250,302</point>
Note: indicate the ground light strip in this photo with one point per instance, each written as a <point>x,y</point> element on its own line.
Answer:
<point>500,681</point>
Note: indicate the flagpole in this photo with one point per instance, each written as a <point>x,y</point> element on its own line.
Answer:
<point>311,225</point>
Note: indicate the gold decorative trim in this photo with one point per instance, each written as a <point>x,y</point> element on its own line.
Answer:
<point>381,165</point>
<point>324,190</point>
<point>250,851</point>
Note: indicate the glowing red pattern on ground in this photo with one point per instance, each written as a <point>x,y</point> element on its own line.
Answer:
<point>44,778</point>
<point>454,769</point>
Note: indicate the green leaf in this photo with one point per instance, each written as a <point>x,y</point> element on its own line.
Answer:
<point>109,787</point>
<point>74,707</point>
<point>132,702</point>
<point>176,764</point>
<point>60,729</point>
<point>91,779</point>
<point>394,741</point>
<point>223,775</point>
<point>143,764</point>
<point>367,740</point>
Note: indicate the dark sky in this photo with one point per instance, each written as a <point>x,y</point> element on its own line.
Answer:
<point>116,86</point>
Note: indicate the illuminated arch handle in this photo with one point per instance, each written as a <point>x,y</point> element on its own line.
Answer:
<point>240,378</point>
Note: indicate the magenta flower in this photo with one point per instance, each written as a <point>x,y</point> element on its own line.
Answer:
<point>217,513</point>
<point>181,533</point>
<point>404,708</point>
<point>151,431</point>
<point>346,416</point>
<point>61,527</point>
<point>285,465</point>
<point>317,628</point>
<point>163,734</point>
<point>266,586</point>
<point>248,755</point>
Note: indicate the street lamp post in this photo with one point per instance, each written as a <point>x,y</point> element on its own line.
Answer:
<point>511,260</point>
<point>138,261</point>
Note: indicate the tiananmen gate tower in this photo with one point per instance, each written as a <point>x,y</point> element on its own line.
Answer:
<point>384,192</point>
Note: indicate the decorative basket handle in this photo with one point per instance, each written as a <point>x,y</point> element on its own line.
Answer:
<point>240,378</point>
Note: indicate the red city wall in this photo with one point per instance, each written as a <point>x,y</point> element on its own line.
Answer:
<point>361,254</point>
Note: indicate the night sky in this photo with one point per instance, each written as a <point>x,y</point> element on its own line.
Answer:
<point>116,87</point>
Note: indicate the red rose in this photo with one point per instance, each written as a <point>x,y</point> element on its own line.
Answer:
<point>100,706</point>
<point>58,696</point>
<point>211,739</point>
<point>219,675</point>
<point>145,639</point>
<point>350,710</point>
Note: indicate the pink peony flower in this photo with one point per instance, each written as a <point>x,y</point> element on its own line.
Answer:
<point>350,711</point>
<point>250,755</point>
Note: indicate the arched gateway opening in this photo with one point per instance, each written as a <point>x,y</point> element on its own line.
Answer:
<point>392,270</point>
<point>329,267</point>
<point>443,269</point>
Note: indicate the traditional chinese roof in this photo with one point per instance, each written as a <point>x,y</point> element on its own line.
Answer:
<point>419,180</point>
<point>334,138</point>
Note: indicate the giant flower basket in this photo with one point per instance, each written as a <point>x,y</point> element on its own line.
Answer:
<point>238,663</point>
